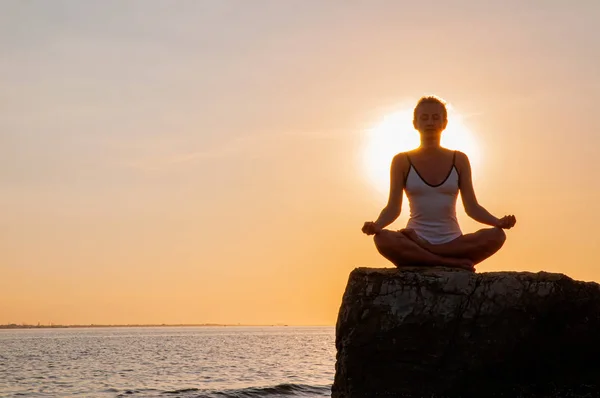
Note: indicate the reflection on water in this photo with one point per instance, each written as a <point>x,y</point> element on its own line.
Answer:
<point>185,361</point>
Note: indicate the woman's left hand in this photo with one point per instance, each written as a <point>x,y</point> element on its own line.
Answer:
<point>507,222</point>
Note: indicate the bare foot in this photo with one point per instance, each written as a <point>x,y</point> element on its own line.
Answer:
<point>412,235</point>
<point>462,263</point>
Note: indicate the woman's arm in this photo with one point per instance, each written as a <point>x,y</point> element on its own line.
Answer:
<point>467,192</point>
<point>391,211</point>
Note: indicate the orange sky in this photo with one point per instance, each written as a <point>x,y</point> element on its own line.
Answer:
<point>194,162</point>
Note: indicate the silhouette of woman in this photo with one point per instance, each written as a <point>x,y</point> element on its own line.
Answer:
<point>432,177</point>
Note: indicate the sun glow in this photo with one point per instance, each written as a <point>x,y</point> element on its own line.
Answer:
<point>395,133</point>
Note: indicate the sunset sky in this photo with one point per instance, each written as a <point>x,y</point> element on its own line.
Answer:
<point>213,161</point>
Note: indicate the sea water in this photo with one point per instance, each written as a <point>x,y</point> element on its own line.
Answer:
<point>186,362</point>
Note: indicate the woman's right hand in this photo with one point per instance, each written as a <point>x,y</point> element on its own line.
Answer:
<point>371,228</point>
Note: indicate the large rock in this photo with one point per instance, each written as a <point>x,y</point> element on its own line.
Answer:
<point>423,332</point>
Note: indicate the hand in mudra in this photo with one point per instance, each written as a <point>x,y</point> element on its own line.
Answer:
<point>370,228</point>
<point>507,222</point>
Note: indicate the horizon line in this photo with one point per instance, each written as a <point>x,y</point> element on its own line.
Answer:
<point>92,325</point>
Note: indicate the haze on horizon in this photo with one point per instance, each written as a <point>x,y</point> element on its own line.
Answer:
<point>203,162</point>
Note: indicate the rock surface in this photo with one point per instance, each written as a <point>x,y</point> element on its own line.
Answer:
<point>438,332</point>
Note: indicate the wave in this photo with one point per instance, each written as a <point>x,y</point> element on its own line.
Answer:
<point>280,390</point>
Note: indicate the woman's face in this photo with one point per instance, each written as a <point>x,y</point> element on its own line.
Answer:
<point>430,118</point>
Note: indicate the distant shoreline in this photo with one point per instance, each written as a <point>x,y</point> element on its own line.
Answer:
<point>15,326</point>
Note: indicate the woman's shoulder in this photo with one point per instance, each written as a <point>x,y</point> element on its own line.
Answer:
<point>460,156</point>
<point>401,158</point>
<point>461,162</point>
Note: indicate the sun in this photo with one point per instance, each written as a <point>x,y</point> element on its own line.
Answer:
<point>395,133</point>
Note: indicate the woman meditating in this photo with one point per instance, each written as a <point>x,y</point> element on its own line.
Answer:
<point>432,176</point>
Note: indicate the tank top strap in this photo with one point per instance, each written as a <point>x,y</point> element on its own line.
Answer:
<point>456,168</point>
<point>410,166</point>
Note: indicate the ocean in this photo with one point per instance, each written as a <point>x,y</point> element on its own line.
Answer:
<point>208,362</point>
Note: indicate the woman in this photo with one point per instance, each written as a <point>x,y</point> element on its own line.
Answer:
<point>432,176</point>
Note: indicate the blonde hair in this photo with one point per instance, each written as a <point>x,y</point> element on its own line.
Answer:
<point>431,99</point>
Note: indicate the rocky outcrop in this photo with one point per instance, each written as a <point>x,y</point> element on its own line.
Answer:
<point>437,332</point>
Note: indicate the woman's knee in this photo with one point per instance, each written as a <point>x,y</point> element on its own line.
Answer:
<point>497,237</point>
<point>382,239</point>
<point>387,240</point>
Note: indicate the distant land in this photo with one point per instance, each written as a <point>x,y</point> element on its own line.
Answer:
<point>52,326</point>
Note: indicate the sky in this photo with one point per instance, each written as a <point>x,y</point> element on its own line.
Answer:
<point>211,161</point>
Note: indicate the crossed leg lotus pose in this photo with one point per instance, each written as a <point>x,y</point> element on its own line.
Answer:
<point>432,177</point>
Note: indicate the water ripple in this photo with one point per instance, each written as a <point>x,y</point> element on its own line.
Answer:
<point>199,362</point>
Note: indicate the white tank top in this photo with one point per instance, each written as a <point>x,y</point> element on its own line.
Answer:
<point>433,207</point>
